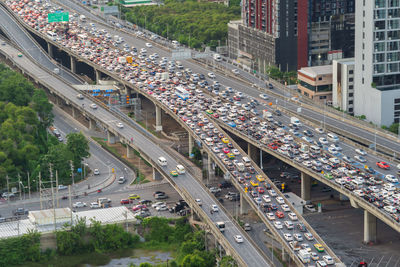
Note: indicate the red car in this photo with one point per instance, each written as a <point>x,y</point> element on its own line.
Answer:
<point>236,98</point>
<point>279,214</point>
<point>215,115</point>
<point>242,118</point>
<point>383,165</point>
<point>260,190</point>
<point>138,207</point>
<point>226,150</point>
<point>126,201</point>
<point>273,146</point>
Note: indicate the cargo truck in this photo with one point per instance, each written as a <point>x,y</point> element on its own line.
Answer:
<point>304,256</point>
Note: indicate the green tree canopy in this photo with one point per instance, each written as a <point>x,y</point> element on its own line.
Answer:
<point>78,145</point>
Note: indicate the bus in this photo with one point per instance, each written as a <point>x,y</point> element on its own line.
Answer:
<point>181,92</point>
<point>220,226</point>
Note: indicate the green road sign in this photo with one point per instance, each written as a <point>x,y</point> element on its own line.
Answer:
<point>58,17</point>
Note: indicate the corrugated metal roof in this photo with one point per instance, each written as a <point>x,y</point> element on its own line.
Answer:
<point>104,216</point>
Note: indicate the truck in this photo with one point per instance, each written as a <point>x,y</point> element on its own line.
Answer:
<point>122,60</point>
<point>295,121</point>
<point>220,226</point>
<point>82,18</point>
<point>267,115</point>
<point>304,148</point>
<point>103,200</point>
<point>217,57</point>
<point>304,256</point>
<point>239,166</point>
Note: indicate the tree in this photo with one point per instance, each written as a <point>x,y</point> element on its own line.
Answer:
<point>227,261</point>
<point>78,145</point>
<point>394,128</point>
<point>193,260</point>
<point>42,106</point>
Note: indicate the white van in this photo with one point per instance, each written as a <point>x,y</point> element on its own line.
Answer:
<point>357,183</point>
<point>217,57</point>
<point>246,161</point>
<point>315,149</point>
<point>390,209</point>
<point>162,161</point>
<point>332,137</point>
<point>180,169</point>
<point>239,166</point>
<point>52,35</point>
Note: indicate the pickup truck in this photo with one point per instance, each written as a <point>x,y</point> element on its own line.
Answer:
<point>20,211</point>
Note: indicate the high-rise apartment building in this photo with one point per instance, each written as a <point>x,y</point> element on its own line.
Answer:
<point>377,61</point>
<point>291,34</point>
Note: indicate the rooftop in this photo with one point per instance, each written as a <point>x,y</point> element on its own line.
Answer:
<point>313,72</point>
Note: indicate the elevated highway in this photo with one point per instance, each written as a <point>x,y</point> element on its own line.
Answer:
<point>246,254</point>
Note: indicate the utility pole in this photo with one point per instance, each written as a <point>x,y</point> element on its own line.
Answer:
<point>126,220</point>
<point>52,197</point>
<point>40,190</point>
<point>58,200</point>
<point>19,187</point>
<point>8,189</point>
<point>29,186</point>
<point>70,201</point>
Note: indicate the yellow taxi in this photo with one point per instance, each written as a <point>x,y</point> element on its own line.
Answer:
<point>319,247</point>
<point>254,183</point>
<point>174,173</point>
<point>209,111</point>
<point>225,140</point>
<point>260,178</point>
<point>134,196</point>
<point>231,155</point>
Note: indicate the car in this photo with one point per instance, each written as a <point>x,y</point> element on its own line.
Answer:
<point>95,205</point>
<point>323,140</point>
<point>292,216</point>
<point>314,256</point>
<point>270,216</point>
<point>328,259</point>
<point>361,152</point>
<point>298,237</point>
<point>199,202</point>
<point>288,237</point>
<point>96,172</point>
<point>149,45</point>
<point>214,208</point>
<point>278,225</point>
<point>211,75</point>
<point>310,207</point>
<point>79,96</point>
<point>321,264</point>
<point>120,125</point>
<point>93,106</point>
<point>319,130</point>
<point>319,247</point>
<point>139,207</point>
<point>174,173</point>
<point>62,187</point>
<point>162,207</point>
<point>235,71</point>
<point>360,158</point>
<point>215,190</point>
<point>309,236</point>
<point>238,238</point>
<point>391,178</point>
<point>280,214</point>
<point>159,203</point>
<point>264,96</point>
<point>285,208</point>
<point>20,211</point>
<point>383,165</point>
<point>134,196</point>
<point>125,201</point>
<point>79,205</point>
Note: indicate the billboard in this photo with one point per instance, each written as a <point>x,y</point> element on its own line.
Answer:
<point>58,17</point>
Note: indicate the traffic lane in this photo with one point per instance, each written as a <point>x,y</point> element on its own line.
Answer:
<point>27,44</point>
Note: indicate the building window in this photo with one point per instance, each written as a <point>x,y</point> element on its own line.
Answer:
<point>351,102</point>
<point>397,107</point>
<point>351,94</point>
<point>396,120</point>
<point>350,79</point>
<point>397,101</point>
<point>362,81</point>
<point>351,71</point>
<point>351,110</point>
<point>319,78</point>
<point>322,97</point>
<point>363,68</point>
<point>351,87</point>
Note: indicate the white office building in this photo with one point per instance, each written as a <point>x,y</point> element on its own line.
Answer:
<point>343,84</point>
<point>377,59</point>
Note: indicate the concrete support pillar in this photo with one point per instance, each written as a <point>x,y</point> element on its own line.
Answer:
<point>50,49</point>
<point>98,75</point>
<point>110,137</point>
<point>73,64</point>
<point>210,169</point>
<point>305,186</point>
<point>254,153</point>
<point>244,206</point>
<point>158,119</point>
<point>57,100</point>
<point>285,256</point>
<point>369,227</point>
<point>92,124</point>
<point>343,197</point>
<point>129,151</point>
<point>73,112</point>
<point>156,175</point>
<point>191,144</point>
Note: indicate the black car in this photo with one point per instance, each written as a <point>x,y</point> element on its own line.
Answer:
<point>277,112</point>
<point>20,211</point>
<point>145,201</point>
<point>225,184</point>
<point>270,86</point>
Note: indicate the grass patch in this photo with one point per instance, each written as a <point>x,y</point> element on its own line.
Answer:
<point>141,123</point>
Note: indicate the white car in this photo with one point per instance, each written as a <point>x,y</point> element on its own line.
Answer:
<point>214,208</point>
<point>235,71</point>
<point>93,106</point>
<point>280,200</point>
<point>278,225</point>
<point>292,216</point>
<point>270,216</point>
<point>199,202</point>
<point>337,147</point>
<point>272,193</point>
<point>391,178</point>
<point>238,238</point>
<point>319,130</point>
<point>155,205</point>
<point>264,96</point>
<point>328,259</point>
<point>95,205</point>
<point>266,198</point>
<point>149,45</point>
<point>235,151</point>
<point>309,236</point>
<point>161,207</point>
<point>120,125</point>
<point>285,207</point>
<point>361,152</point>
<point>62,187</point>
<point>323,140</point>
<point>288,237</point>
<point>79,205</point>
<point>211,75</point>
<point>360,158</point>
<point>96,172</point>
<point>79,96</point>
<point>298,237</point>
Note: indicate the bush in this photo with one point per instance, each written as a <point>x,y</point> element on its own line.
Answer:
<point>18,250</point>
